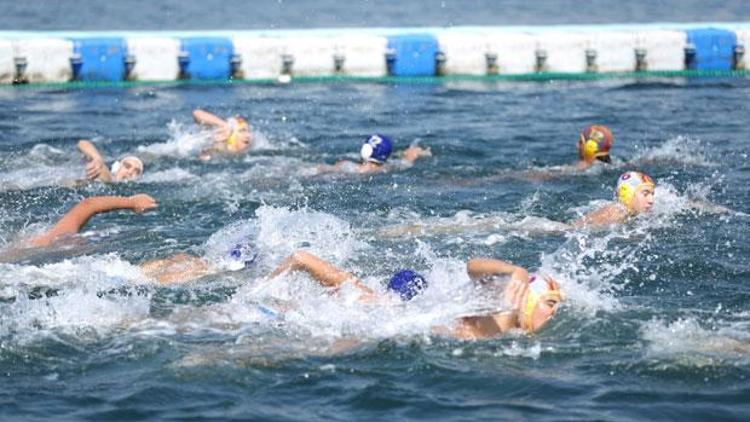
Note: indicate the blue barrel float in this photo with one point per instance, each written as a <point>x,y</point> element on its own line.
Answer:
<point>206,58</point>
<point>412,55</point>
<point>710,49</point>
<point>99,59</point>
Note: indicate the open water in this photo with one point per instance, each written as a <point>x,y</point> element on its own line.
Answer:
<point>655,326</point>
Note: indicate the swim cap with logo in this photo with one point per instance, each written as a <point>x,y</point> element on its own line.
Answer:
<point>628,184</point>
<point>376,149</point>
<point>594,143</point>
<point>539,289</point>
<point>407,284</point>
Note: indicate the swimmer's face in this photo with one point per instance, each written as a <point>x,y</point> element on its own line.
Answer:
<point>130,169</point>
<point>543,312</point>
<point>643,199</point>
<point>243,140</point>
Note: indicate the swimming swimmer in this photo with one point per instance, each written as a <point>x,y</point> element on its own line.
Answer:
<point>231,136</point>
<point>375,151</point>
<point>634,195</point>
<point>594,144</point>
<point>531,301</point>
<point>184,267</point>
<point>128,168</point>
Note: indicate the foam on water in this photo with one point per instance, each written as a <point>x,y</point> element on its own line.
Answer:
<point>687,341</point>
<point>43,165</point>
<point>681,149</point>
<point>73,296</point>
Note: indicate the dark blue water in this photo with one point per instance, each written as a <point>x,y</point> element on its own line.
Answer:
<point>266,14</point>
<point>656,325</point>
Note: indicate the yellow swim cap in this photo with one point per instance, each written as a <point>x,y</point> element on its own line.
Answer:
<point>539,289</point>
<point>627,185</point>
<point>236,124</point>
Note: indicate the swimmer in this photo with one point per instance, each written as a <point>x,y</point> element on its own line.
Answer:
<point>375,152</point>
<point>594,144</point>
<point>530,301</point>
<point>184,267</point>
<point>125,169</point>
<point>232,136</point>
<point>634,195</point>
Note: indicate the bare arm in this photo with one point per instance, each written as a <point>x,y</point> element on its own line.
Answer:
<point>479,268</point>
<point>96,168</point>
<point>178,268</point>
<point>203,117</point>
<point>484,326</point>
<point>324,272</point>
<point>415,152</point>
<point>77,217</point>
<point>89,150</point>
<point>608,215</point>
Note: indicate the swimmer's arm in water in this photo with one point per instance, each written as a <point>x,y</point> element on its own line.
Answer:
<point>178,268</point>
<point>79,215</point>
<point>606,216</point>
<point>96,168</point>
<point>322,271</point>
<point>334,168</point>
<point>414,152</point>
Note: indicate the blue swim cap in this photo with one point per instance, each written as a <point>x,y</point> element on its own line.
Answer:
<point>407,284</point>
<point>376,149</point>
<point>241,256</point>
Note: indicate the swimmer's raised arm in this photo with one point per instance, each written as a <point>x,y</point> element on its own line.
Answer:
<point>96,168</point>
<point>322,271</point>
<point>203,117</point>
<point>479,268</point>
<point>79,215</point>
<point>89,150</point>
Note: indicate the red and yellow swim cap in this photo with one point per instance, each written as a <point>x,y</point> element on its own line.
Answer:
<point>594,143</point>
<point>627,185</point>
<point>540,288</point>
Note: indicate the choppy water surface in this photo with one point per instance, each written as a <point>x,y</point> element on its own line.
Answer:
<point>655,325</point>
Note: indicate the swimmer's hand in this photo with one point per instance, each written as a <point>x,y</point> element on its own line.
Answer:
<point>141,202</point>
<point>414,152</point>
<point>221,135</point>
<point>515,295</point>
<point>96,169</point>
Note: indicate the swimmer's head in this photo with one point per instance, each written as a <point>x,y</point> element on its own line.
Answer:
<point>240,136</point>
<point>240,256</point>
<point>542,300</point>
<point>407,284</point>
<point>635,190</point>
<point>129,168</point>
<point>376,149</point>
<point>594,144</point>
